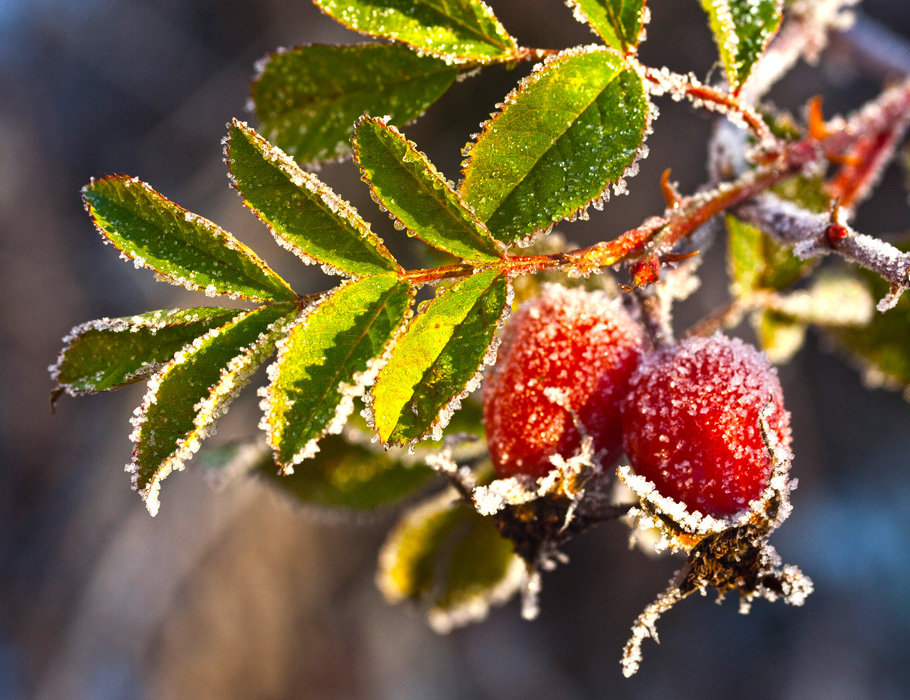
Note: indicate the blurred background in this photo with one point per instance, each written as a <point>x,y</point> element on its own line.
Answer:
<point>234,592</point>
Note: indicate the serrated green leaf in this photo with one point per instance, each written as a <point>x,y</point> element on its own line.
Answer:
<point>618,22</point>
<point>457,30</point>
<point>452,560</point>
<point>420,198</point>
<point>302,212</point>
<point>112,352</point>
<point>565,134</point>
<point>194,389</point>
<point>742,30</point>
<point>756,262</point>
<point>436,360</point>
<point>308,98</point>
<point>324,363</point>
<point>350,476</point>
<point>881,347</point>
<point>181,247</point>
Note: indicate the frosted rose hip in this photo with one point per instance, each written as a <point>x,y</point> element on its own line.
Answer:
<point>566,350</point>
<point>691,422</point>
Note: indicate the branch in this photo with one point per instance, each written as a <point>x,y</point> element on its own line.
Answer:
<point>813,235</point>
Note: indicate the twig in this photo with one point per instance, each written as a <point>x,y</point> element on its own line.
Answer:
<point>813,235</point>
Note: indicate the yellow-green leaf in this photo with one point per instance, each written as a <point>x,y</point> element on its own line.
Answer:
<point>435,362</point>
<point>450,559</point>
<point>459,31</point>
<point>111,352</point>
<point>302,212</point>
<point>326,361</point>
<point>617,22</point>
<point>181,247</point>
<point>742,30</point>
<point>405,182</point>
<point>309,97</point>
<point>194,389</point>
<point>563,136</point>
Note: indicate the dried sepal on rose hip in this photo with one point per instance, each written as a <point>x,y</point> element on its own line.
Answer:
<point>708,437</point>
<point>552,417</point>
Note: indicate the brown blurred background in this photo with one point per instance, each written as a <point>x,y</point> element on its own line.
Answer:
<point>234,593</point>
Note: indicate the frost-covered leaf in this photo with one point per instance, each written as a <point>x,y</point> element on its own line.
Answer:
<point>308,98</point>
<point>881,347</point>
<point>181,247</point>
<point>456,30</point>
<point>569,130</point>
<point>111,352</point>
<point>450,559</point>
<point>618,22</point>
<point>409,186</point>
<point>303,213</point>
<point>194,389</point>
<point>350,476</point>
<point>742,30</point>
<point>436,360</point>
<point>325,362</point>
<point>756,262</point>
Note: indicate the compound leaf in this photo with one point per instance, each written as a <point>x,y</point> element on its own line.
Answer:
<point>567,132</point>
<point>456,30</point>
<point>406,183</point>
<point>192,390</point>
<point>324,363</point>
<point>303,213</point>
<point>111,352</point>
<point>452,560</point>
<point>742,30</point>
<point>308,98</point>
<point>181,247</point>
<point>617,22</point>
<point>436,360</point>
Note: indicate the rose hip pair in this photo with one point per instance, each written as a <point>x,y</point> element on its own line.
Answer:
<point>687,416</point>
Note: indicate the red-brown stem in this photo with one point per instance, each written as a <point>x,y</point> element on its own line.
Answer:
<point>717,99</point>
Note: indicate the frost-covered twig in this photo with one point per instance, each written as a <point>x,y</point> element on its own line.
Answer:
<point>816,234</point>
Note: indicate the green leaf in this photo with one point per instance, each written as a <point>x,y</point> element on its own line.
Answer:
<point>324,363</point>
<point>756,262</point>
<point>435,362</point>
<point>567,132</point>
<point>742,30</point>
<point>303,213</point>
<point>618,22</point>
<point>406,183</point>
<point>194,389</point>
<point>882,347</point>
<point>181,247</point>
<point>456,30</point>
<point>111,352</point>
<point>452,560</point>
<point>350,476</point>
<point>308,98</point>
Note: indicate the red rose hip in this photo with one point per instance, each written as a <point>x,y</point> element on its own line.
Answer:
<point>566,351</point>
<point>691,423</point>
